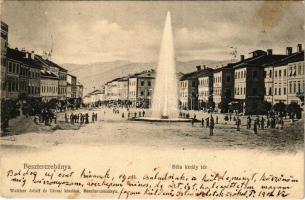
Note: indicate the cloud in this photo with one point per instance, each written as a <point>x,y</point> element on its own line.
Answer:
<point>87,32</point>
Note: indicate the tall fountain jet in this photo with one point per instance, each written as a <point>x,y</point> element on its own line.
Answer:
<point>165,95</point>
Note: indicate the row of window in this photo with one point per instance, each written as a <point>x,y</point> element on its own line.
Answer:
<point>278,73</point>
<point>240,91</point>
<point>49,89</point>
<point>240,74</point>
<point>33,90</point>
<point>62,90</point>
<point>62,77</point>
<point>293,69</point>
<point>243,74</point>
<point>217,79</point>
<point>203,82</point>
<point>183,94</point>
<point>293,88</point>
<point>184,83</point>
<point>204,94</point>
<point>217,91</point>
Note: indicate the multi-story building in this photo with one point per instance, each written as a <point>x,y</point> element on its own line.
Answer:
<point>249,79</point>
<point>71,88</point>
<point>112,90</point>
<point>205,89</point>
<point>34,77</point>
<point>188,88</point>
<point>62,84</point>
<point>123,89</point>
<point>4,44</point>
<point>223,86</point>
<point>79,90</point>
<point>48,86</point>
<point>60,72</point>
<point>14,61</point>
<point>284,79</point>
<point>140,88</point>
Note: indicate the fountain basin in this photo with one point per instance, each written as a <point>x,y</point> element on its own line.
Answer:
<point>155,119</point>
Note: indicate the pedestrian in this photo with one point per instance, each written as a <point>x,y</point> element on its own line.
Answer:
<point>193,121</point>
<point>268,122</point>
<point>72,118</point>
<point>128,115</point>
<point>211,126</point>
<point>194,116</point>
<point>248,122</point>
<point>95,116</point>
<point>135,115</point>
<point>92,117</point>
<point>238,122</point>
<point>257,122</point>
<point>143,113</point>
<point>255,127</point>
<point>87,118</point>
<point>202,122</point>
<point>66,118</point>
<point>81,118</point>
<point>207,120</point>
<point>282,123</point>
<point>55,118</point>
<point>262,123</point>
<point>140,113</point>
<point>123,115</point>
<point>216,119</point>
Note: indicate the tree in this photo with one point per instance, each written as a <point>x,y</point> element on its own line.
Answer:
<point>223,106</point>
<point>263,107</point>
<point>294,109</point>
<point>280,108</point>
<point>300,95</point>
<point>211,105</point>
<point>235,106</point>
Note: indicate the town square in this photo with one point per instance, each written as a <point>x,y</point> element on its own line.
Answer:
<point>249,99</point>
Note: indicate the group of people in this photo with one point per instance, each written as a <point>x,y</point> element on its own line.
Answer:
<point>262,123</point>
<point>255,124</point>
<point>46,116</point>
<point>80,118</point>
<point>135,114</point>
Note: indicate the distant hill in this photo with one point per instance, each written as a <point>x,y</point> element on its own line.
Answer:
<point>96,74</point>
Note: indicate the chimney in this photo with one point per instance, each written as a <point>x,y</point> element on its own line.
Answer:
<point>269,51</point>
<point>300,48</point>
<point>32,55</point>
<point>242,57</point>
<point>288,51</point>
<point>198,67</point>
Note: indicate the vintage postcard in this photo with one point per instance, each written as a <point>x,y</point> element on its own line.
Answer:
<point>152,99</point>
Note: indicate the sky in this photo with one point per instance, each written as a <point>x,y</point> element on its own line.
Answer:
<point>98,31</point>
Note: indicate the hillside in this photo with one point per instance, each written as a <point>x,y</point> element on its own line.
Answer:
<point>96,74</point>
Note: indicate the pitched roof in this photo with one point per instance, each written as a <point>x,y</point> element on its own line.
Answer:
<point>20,56</point>
<point>196,74</point>
<point>295,57</point>
<point>47,62</point>
<point>48,74</point>
<point>260,60</point>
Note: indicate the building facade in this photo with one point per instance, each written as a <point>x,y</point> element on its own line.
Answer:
<point>79,90</point>
<point>48,86</point>
<point>4,45</point>
<point>123,89</point>
<point>140,89</point>
<point>189,88</point>
<point>249,79</point>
